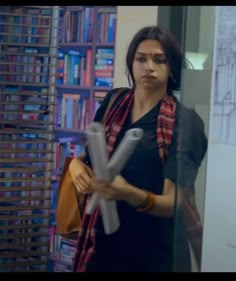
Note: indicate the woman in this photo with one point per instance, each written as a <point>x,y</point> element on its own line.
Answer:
<point>170,153</point>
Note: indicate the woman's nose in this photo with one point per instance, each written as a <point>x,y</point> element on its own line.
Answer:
<point>149,66</point>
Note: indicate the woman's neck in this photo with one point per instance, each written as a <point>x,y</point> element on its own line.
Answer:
<point>145,99</point>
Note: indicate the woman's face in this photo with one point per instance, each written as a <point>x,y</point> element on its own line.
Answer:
<point>150,66</point>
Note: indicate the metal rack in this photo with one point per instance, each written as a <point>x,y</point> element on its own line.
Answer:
<point>28,57</point>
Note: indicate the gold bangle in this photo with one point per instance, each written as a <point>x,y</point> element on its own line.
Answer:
<point>148,205</point>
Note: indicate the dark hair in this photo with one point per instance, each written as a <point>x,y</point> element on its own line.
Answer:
<point>170,46</point>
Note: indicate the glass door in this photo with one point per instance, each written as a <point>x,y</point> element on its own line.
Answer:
<point>193,26</point>
<point>197,39</point>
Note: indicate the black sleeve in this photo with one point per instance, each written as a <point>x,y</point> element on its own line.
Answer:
<point>187,150</point>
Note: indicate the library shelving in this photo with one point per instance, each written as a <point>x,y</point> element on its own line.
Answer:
<point>85,64</point>
<point>28,56</point>
<point>56,65</point>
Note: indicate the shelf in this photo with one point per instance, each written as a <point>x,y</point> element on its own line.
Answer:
<point>39,45</point>
<point>73,87</point>
<point>73,131</point>
<point>60,261</point>
<point>27,90</point>
<point>75,44</point>
<point>25,54</point>
<point>105,44</point>
<point>86,44</point>
<point>39,7</point>
<point>26,84</point>
<point>97,88</point>
<point>39,129</point>
<point>41,60</point>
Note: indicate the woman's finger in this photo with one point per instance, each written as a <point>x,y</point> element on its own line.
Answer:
<point>79,187</point>
<point>105,194</point>
<point>90,172</point>
<point>87,179</point>
<point>83,184</point>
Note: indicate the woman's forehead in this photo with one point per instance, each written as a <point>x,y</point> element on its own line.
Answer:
<point>150,47</point>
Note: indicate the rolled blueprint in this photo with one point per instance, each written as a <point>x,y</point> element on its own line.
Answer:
<point>99,158</point>
<point>108,170</point>
<point>98,149</point>
<point>124,151</point>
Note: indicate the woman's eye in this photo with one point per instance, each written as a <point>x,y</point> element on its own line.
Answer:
<point>140,59</point>
<point>161,60</point>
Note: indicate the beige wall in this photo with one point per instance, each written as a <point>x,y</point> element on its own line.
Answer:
<point>129,20</point>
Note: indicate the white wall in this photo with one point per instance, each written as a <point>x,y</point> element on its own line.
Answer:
<point>219,239</point>
<point>219,236</point>
<point>129,20</point>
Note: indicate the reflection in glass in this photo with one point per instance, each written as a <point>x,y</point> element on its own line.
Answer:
<point>195,92</point>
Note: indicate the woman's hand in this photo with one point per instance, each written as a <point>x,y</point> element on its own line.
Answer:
<point>120,189</point>
<point>81,175</point>
<point>117,189</point>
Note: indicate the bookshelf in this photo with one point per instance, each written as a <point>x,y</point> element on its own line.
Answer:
<point>28,54</point>
<point>84,74</point>
<point>45,106</point>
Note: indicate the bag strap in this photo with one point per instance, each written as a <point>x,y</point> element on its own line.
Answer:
<point>112,101</point>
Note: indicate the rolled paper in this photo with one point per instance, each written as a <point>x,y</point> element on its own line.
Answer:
<point>98,150</point>
<point>124,151</point>
<point>99,158</point>
<point>108,170</point>
<point>110,217</point>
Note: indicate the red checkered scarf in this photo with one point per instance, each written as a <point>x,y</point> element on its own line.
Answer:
<point>113,124</point>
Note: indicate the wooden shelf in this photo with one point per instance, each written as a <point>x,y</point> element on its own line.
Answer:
<point>97,88</point>
<point>34,61</point>
<point>73,131</point>
<point>75,44</point>
<point>52,258</point>
<point>64,86</point>
<point>105,44</point>
<point>39,45</point>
